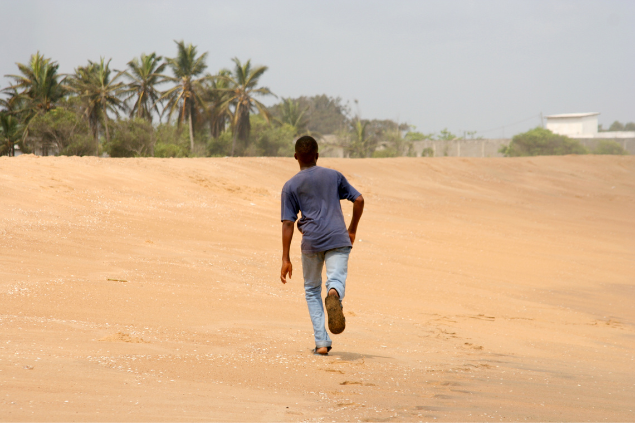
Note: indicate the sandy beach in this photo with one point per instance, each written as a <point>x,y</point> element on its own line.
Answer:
<point>479,290</point>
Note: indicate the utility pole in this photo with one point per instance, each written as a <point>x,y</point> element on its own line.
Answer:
<point>542,124</point>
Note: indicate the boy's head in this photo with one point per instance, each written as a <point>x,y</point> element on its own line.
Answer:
<point>306,150</point>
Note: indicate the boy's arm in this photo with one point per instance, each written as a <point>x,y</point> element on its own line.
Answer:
<point>287,236</point>
<point>358,209</point>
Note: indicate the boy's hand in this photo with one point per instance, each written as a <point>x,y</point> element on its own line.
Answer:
<point>287,267</point>
<point>351,235</point>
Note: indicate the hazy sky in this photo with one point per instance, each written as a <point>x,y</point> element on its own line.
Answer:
<point>462,65</point>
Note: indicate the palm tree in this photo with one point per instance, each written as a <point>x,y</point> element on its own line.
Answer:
<point>13,102</point>
<point>78,84</point>
<point>215,96</point>
<point>186,95</point>
<point>292,114</point>
<point>37,90</point>
<point>10,134</point>
<point>361,144</point>
<point>145,73</point>
<point>243,84</point>
<point>100,93</point>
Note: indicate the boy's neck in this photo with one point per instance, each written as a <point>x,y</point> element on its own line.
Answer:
<point>304,166</point>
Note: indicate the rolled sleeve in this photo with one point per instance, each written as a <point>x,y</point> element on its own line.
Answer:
<point>346,190</point>
<point>289,207</point>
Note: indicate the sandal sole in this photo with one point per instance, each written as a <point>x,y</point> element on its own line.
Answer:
<point>337,321</point>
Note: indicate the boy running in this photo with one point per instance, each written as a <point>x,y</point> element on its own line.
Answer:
<point>316,192</point>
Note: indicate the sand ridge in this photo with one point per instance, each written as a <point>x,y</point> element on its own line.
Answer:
<point>479,289</point>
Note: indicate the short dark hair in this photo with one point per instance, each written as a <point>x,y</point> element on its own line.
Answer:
<point>306,148</point>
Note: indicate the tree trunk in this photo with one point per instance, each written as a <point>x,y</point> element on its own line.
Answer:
<point>106,128</point>
<point>245,126</point>
<point>107,131</point>
<point>107,134</point>
<point>234,140</point>
<point>191,134</point>
<point>96,137</point>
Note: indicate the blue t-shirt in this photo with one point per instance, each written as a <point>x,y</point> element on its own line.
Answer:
<point>317,192</point>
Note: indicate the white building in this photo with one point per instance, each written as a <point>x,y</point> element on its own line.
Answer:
<point>574,125</point>
<point>582,125</point>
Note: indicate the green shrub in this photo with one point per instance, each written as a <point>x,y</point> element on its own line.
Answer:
<point>131,138</point>
<point>427,152</point>
<point>171,142</point>
<point>65,129</point>
<point>79,145</point>
<point>415,136</point>
<point>386,152</point>
<point>221,146</point>
<point>609,147</point>
<point>169,150</point>
<point>541,142</point>
<point>270,140</point>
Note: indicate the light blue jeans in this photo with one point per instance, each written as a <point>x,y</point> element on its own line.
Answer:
<point>336,270</point>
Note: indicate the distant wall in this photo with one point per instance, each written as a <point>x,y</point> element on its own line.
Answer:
<point>455,148</point>
<point>591,143</point>
<point>327,150</point>
<point>330,146</point>
<point>462,148</point>
<point>469,148</point>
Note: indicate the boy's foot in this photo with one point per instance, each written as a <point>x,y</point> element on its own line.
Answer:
<point>337,321</point>
<point>321,351</point>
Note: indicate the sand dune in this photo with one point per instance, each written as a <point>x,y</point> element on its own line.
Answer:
<point>479,289</point>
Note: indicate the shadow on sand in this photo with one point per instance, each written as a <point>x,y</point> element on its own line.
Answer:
<point>350,356</point>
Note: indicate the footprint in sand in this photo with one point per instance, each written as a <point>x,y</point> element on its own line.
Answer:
<point>348,382</point>
<point>123,337</point>
<point>476,347</point>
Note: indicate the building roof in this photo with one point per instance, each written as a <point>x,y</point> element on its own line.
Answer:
<point>572,115</point>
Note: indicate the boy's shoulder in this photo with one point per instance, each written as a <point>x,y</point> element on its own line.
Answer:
<point>318,172</point>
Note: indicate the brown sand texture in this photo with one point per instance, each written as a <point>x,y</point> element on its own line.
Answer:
<point>479,290</point>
